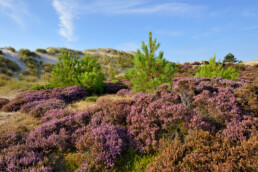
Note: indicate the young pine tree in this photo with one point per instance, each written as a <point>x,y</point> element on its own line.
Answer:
<point>215,70</point>
<point>150,70</point>
<point>84,72</point>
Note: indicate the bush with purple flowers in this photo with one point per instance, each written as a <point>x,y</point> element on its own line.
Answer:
<point>112,88</point>
<point>105,142</point>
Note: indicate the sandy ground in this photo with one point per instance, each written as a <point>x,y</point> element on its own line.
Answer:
<point>16,58</point>
<point>251,62</point>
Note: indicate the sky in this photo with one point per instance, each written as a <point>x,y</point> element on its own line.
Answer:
<point>188,30</point>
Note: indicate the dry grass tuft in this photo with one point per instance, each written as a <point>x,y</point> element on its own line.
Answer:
<point>10,122</point>
<point>83,105</point>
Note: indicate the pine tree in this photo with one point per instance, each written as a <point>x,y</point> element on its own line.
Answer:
<point>214,69</point>
<point>84,72</point>
<point>150,70</point>
<point>230,58</point>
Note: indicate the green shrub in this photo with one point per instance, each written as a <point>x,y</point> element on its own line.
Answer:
<point>52,51</point>
<point>26,53</point>
<point>84,72</point>
<point>41,87</point>
<point>48,67</point>
<point>216,70</point>
<point>91,99</point>
<point>149,70</point>
<point>1,52</point>
<point>43,51</point>
<point>11,49</point>
<point>6,63</point>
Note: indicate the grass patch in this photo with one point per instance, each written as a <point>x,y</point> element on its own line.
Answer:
<point>91,99</point>
<point>20,122</point>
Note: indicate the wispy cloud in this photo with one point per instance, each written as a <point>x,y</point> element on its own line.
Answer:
<point>143,7</point>
<point>67,11</point>
<point>15,9</point>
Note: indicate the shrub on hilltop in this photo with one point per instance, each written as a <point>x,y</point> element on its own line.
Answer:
<point>11,49</point>
<point>40,50</point>
<point>150,70</point>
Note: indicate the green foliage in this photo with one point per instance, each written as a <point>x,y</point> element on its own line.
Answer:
<point>7,66</point>
<point>39,50</point>
<point>150,70</point>
<point>48,67</point>
<point>84,72</point>
<point>91,99</point>
<point>41,87</point>
<point>30,59</point>
<point>52,50</point>
<point>1,52</point>
<point>11,49</point>
<point>216,70</point>
<point>26,53</point>
<point>230,58</point>
<point>134,161</point>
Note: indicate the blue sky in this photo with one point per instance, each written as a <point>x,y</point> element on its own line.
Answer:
<point>188,30</point>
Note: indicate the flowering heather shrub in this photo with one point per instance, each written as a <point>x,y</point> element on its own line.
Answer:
<point>113,111</point>
<point>106,143</point>
<point>57,134</point>
<point>205,152</point>
<point>19,158</point>
<point>239,130</point>
<point>74,93</point>
<point>56,114</point>
<point>42,169</point>
<point>153,116</point>
<point>68,94</point>
<point>10,139</point>
<point>218,107</point>
<point>125,92</point>
<point>38,108</point>
<point>14,105</point>
<point>3,102</point>
<point>112,88</point>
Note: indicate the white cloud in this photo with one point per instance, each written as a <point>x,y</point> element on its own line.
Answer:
<point>67,11</point>
<point>142,7</point>
<point>15,9</point>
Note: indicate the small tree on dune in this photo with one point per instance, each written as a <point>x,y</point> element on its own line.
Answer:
<point>230,58</point>
<point>150,70</point>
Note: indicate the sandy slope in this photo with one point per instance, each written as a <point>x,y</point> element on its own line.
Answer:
<point>16,58</point>
<point>13,57</point>
<point>251,62</point>
<point>47,58</point>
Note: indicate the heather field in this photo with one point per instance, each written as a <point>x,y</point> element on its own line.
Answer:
<point>154,116</point>
<point>189,124</point>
